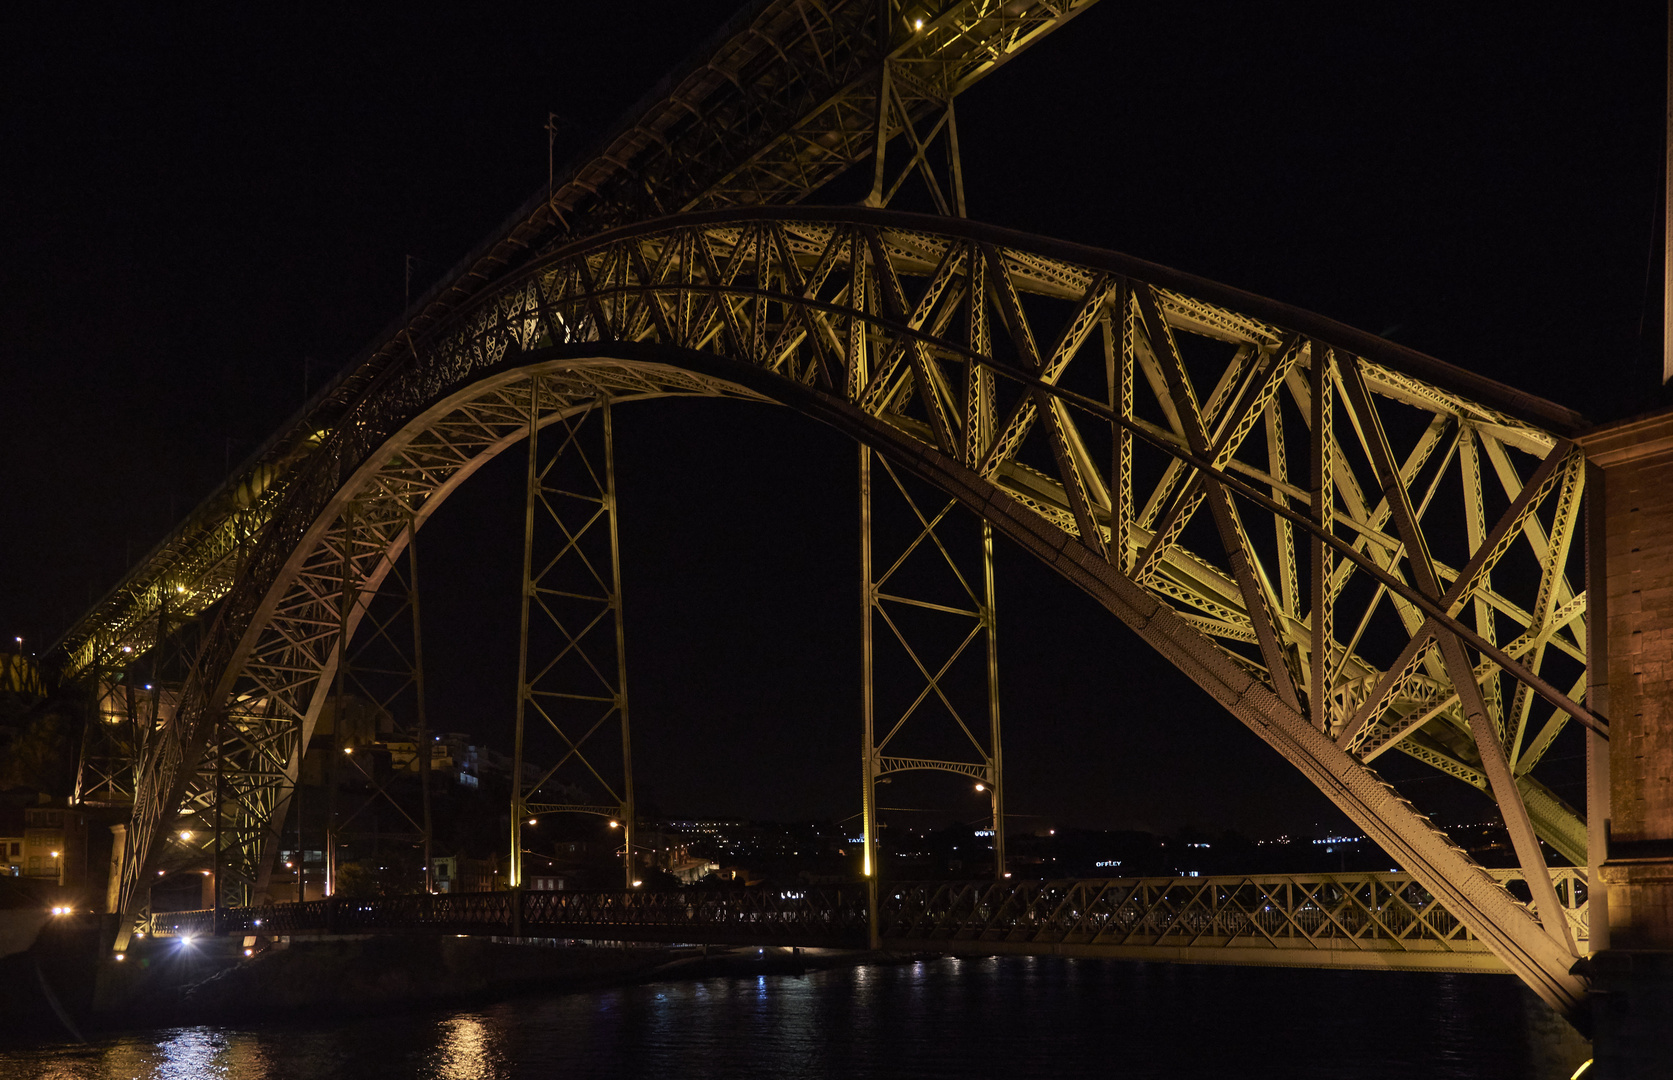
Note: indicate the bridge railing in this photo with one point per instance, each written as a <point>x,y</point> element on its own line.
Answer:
<point>1293,918</point>
<point>1383,912</point>
<point>788,916</point>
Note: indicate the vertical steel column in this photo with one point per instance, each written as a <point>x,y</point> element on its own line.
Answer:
<point>301,854</point>
<point>339,696</point>
<point>628,811</point>
<point>425,750</point>
<point>220,813</point>
<point>868,752</point>
<point>531,493</point>
<point>990,617</point>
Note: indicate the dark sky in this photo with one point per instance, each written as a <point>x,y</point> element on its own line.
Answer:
<point>201,214</point>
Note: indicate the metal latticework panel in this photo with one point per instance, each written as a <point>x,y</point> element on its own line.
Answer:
<point>932,613</point>
<point>572,705</point>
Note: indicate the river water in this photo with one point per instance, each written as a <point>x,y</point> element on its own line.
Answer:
<point>1013,1017</point>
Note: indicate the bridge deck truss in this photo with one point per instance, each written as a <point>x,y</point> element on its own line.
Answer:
<point>1372,920</point>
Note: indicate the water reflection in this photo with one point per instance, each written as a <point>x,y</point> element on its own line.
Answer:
<point>466,1050</point>
<point>967,1019</point>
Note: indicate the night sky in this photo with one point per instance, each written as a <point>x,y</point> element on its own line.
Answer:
<point>202,216</point>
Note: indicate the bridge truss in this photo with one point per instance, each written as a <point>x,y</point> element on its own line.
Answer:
<point>1386,921</point>
<point>1123,398</point>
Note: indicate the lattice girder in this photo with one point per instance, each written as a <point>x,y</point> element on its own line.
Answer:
<point>880,323</point>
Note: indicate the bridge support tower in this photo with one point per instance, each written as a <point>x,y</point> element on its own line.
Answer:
<point>971,607</point>
<point>1630,776</point>
<point>572,659</point>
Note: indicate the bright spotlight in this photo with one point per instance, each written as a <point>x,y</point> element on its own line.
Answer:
<point>615,824</point>
<point>121,956</point>
<point>636,884</point>
<point>981,787</point>
<point>185,834</point>
<point>531,821</point>
<point>249,952</point>
<point>186,939</point>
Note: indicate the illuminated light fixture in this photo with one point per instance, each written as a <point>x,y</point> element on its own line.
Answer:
<point>127,648</point>
<point>348,749</point>
<point>121,956</point>
<point>180,588</point>
<point>615,824</point>
<point>139,933</point>
<point>917,24</point>
<point>55,854</point>
<point>531,821</point>
<point>249,952</point>
<point>1007,873</point>
<point>185,834</point>
<point>186,939</point>
<point>160,873</point>
<point>290,866</point>
<point>636,884</point>
<point>981,787</point>
<point>258,922</point>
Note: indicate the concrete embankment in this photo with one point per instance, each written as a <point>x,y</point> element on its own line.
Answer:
<point>69,985</point>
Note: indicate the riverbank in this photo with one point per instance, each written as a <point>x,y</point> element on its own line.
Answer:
<point>66,986</point>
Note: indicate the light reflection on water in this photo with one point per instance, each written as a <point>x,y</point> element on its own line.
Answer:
<point>1010,1017</point>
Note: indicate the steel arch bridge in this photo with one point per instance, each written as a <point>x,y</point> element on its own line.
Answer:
<point>1354,548</point>
<point>1088,405</point>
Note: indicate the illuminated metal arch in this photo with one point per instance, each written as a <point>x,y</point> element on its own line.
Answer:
<point>810,308</point>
